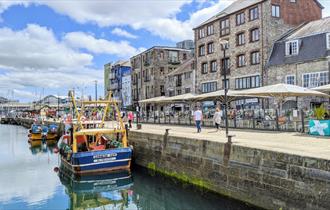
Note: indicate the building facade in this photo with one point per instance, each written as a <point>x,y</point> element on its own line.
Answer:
<point>107,69</point>
<point>250,27</point>
<point>181,80</point>
<point>302,57</point>
<point>119,72</point>
<point>150,68</point>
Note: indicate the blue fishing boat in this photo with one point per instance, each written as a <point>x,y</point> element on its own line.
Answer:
<point>39,132</point>
<point>98,148</point>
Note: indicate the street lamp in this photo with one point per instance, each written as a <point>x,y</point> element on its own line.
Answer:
<point>224,45</point>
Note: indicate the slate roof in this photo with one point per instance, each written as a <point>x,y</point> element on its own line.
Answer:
<point>311,28</point>
<point>310,48</point>
<point>232,8</point>
<point>184,67</point>
<point>236,6</point>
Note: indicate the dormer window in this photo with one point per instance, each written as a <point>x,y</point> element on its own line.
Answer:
<point>292,48</point>
<point>328,41</point>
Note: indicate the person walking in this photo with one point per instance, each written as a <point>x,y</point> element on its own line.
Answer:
<point>130,118</point>
<point>198,117</point>
<point>217,118</point>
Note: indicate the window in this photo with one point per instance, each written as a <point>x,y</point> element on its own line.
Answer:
<point>204,68</point>
<point>241,60</point>
<point>224,27</point>
<point>162,90</point>
<point>209,87</point>
<point>201,33</point>
<point>254,13</point>
<point>210,30</point>
<point>187,75</point>
<point>240,19</point>
<point>254,36</point>
<point>187,90</point>
<point>290,80</point>
<point>247,82</point>
<point>171,93</point>
<point>161,70</point>
<point>213,66</point>
<point>210,48</point>
<point>223,83</point>
<point>328,41</point>
<point>291,48</point>
<point>240,39</point>
<point>275,11</point>
<point>178,92</point>
<point>311,80</point>
<point>225,65</point>
<point>184,55</point>
<point>255,57</point>
<point>201,50</point>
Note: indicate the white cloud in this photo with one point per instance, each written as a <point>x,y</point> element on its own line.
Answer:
<point>157,17</point>
<point>33,58</point>
<point>36,47</point>
<point>121,32</point>
<point>81,40</point>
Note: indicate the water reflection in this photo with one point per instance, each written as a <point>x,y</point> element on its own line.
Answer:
<point>28,181</point>
<point>112,190</point>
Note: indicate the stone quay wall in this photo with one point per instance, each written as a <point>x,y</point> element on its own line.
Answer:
<point>266,179</point>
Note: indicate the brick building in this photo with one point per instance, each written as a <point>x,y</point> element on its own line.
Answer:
<point>150,68</point>
<point>250,27</point>
<point>302,57</point>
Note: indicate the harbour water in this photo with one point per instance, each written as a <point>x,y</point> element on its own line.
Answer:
<point>28,181</point>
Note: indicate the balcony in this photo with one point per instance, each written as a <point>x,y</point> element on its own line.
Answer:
<point>147,79</point>
<point>147,63</point>
<point>179,83</point>
<point>173,60</point>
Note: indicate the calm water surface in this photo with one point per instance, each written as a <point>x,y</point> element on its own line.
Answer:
<point>28,181</point>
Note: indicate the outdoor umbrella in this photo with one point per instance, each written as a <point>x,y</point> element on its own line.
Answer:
<point>219,94</point>
<point>152,100</point>
<point>179,98</point>
<point>281,91</point>
<point>323,88</point>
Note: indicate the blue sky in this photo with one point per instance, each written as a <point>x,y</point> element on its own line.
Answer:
<point>48,47</point>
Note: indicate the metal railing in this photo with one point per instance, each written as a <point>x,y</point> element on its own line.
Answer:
<point>269,120</point>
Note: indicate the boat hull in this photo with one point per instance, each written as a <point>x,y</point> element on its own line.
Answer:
<point>99,161</point>
<point>38,136</point>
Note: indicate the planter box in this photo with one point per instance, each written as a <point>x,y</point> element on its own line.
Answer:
<point>319,127</point>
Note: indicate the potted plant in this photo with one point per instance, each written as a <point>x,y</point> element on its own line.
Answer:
<point>320,125</point>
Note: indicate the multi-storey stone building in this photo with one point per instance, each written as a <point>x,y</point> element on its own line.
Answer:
<point>181,80</point>
<point>302,57</point>
<point>250,27</point>
<point>149,70</point>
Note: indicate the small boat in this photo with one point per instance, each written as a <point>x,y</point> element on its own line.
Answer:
<point>42,133</point>
<point>95,147</point>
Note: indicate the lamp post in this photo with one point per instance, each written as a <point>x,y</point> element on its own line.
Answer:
<point>224,45</point>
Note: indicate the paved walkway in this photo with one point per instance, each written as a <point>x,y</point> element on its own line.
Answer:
<point>292,143</point>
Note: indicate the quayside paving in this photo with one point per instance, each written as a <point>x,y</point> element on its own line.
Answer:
<point>286,142</point>
<point>267,169</point>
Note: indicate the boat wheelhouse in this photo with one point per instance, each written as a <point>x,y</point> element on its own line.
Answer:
<point>92,144</point>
